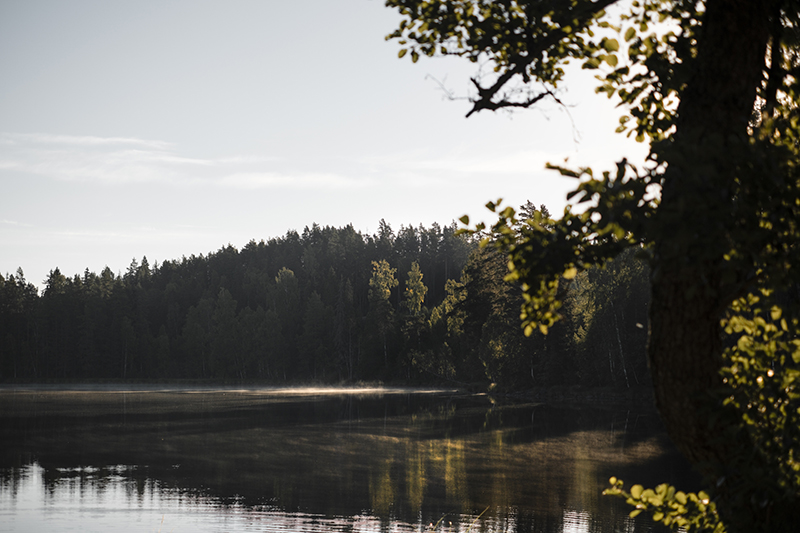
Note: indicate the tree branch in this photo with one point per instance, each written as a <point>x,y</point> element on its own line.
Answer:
<point>492,106</point>
<point>486,94</point>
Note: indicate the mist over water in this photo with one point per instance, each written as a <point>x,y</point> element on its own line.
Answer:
<point>247,459</point>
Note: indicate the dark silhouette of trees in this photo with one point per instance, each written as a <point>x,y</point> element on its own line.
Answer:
<point>333,316</point>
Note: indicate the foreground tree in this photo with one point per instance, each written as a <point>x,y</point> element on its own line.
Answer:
<point>714,86</point>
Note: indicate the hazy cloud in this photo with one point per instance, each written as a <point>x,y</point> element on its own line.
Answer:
<point>463,162</point>
<point>120,160</point>
<point>15,223</point>
<point>79,140</point>
<point>268,180</point>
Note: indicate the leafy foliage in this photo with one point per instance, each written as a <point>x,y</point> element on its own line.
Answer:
<point>416,290</point>
<point>523,41</point>
<point>543,252</point>
<point>653,60</point>
<point>762,397</point>
<point>690,512</point>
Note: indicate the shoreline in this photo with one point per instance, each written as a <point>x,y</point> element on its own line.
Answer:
<point>574,395</point>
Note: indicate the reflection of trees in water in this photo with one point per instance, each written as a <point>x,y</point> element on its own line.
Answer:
<point>519,482</point>
<point>415,475</point>
<point>404,458</point>
<point>382,488</point>
<point>147,504</point>
<point>455,475</point>
<point>415,470</point>
<point>582,490</point>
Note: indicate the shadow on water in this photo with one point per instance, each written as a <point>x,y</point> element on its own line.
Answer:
<point>412,458</point>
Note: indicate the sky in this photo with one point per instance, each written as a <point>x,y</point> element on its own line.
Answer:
<point>171,128</point>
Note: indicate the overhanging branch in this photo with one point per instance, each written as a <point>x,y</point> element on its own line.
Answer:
<point>536,49</point>
<point>492,106</point>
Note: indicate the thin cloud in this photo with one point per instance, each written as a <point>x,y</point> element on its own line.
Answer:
<point>15,223</point>
<point>527,162</point>
<point>146,235</point>
<point>127,166</point>
<point>244,159</point>
<point>88,234</point>
<point>123,161</point>
<point>519,162</point>
<point>271,180</point>
<point>116,160</point>
<point>81,140</point>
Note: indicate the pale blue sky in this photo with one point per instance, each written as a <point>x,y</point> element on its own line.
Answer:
<point>170,128</point>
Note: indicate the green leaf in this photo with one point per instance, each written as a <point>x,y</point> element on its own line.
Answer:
<point>611,45</point>
<point>636,491</point>
<point>744,343</point>
<point>630,34</point>
<point>402,52</point>
<point>591,63</point>
<point>464,220</point>
<point>570,273</point>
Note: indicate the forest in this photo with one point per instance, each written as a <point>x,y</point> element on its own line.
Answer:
<point>328,305</point>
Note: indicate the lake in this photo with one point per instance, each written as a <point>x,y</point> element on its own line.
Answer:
<point>356,460</point>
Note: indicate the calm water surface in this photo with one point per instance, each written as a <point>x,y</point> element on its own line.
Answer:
<point>188,460</point>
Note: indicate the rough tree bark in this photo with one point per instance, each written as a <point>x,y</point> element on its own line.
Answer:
<point>687,290</point>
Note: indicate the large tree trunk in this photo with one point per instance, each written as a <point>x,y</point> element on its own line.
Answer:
<point>688,295</point>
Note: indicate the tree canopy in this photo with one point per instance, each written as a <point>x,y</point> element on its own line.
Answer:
<point>328,306</point>
<point>713,87</point>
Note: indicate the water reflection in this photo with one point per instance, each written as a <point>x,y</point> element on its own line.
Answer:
<point>306,461</point>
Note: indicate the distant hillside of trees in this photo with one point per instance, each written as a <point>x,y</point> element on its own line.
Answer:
<point>329,305</point>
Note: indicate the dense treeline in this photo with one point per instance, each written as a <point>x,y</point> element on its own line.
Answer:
<point>330,304</point>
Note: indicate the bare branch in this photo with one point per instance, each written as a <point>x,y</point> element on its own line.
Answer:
<point>492,106</point>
